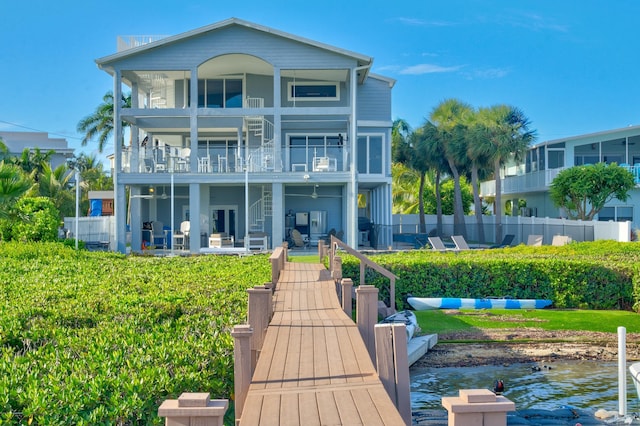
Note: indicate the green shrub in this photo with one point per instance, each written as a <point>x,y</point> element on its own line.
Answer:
<point>600,275</point>
<point>32,219</point>
<point>100,338</point>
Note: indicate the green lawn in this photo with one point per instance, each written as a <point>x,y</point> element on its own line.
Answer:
<point>440,321</point>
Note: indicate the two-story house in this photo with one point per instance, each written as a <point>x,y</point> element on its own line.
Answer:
<point>239,128</point>
<point>531,179</point>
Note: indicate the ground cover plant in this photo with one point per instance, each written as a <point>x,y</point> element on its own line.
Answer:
<point>592,275</point>
<point>100,338</point>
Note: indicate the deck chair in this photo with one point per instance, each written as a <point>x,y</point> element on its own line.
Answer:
<point>298,241</point>
<point>560,240</point>
<point>460,242</point>
<point>181,238</point>
<point>437,244</point>
<point>157,233</point>
<point>534,240</point>
<point>506,241</point>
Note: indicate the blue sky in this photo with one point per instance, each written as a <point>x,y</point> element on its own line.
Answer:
<point>571,66</point>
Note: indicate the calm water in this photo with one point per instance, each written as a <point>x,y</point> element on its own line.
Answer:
<point>582,384</point>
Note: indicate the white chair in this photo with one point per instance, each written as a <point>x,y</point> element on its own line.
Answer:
<point>181,238</point>
<point>204,164</point>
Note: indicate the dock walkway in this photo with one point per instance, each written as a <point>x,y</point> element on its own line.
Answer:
<point>314,368</point>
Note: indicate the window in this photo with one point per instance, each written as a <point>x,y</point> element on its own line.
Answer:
<point>303,149</point>
<point>313,91</point>
<point>370,155</point>
<point>616,214</point>
<point>220,93</point>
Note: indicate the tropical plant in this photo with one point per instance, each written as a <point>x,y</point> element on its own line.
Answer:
<point>502,133</point>
<point>452,118</point>
<point>33,161</point>
<point>582,191</point>
<point>405,187</point>
<point>56,184</point>
<point>14,183</point>
<point>38,220</point>
<point>100,123</point>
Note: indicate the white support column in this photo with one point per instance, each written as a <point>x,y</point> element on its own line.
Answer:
<point>136,219</point>
<point>194,217</point>
<point>134,149</point>
<point>277,220</point>
<point>277,122</point>
<point>194,188</point>
<point>351,232</point>
<point>120,205</point>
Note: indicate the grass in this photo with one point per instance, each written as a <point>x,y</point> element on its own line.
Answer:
<point>305,258</point>
<point>440,322</point>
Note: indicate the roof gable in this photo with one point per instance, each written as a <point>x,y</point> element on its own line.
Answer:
<point>105,62</point>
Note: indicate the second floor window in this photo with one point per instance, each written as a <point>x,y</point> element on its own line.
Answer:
<point>220,93</point>
<point>313,91</point>
<point>370,154</point>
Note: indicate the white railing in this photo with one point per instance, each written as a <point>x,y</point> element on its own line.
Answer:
<point>254,102</point>
<point>131,41</point>
<point>535,181</point>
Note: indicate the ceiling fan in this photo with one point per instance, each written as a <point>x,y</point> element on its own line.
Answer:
<point>314,194</point>
<point>152,195</point>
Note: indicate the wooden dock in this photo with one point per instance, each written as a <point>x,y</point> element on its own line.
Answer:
<point>314,368</point>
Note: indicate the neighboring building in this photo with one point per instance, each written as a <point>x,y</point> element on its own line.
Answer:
<point>304,126</point>
<point>17,142</point>
<point>531,180</point>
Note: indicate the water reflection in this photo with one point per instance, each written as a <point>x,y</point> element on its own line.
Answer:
<point>582,384</point>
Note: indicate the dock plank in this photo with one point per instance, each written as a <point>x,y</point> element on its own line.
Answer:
<point>314,368</point>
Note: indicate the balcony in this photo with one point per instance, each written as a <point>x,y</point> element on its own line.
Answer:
<point>529,182</point>
<point>212,160</point>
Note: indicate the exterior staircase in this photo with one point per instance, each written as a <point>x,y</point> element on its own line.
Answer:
<point>260,210</point>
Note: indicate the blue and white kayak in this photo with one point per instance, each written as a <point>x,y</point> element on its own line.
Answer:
<point>426,303</point>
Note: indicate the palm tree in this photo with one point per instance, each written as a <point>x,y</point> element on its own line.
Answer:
<point>451,117</point>
<point>404,183</point>
<point>55,184</point>
<point>100,123</point>
<point>503,134</point>
<point>33,161</point>
<point>14,183</point>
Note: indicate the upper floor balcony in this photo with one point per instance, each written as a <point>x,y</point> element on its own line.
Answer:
<point>528,182</point>
<point>227,158</point>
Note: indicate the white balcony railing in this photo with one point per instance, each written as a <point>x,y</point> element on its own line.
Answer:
<point>131,41</point>
<point>529,182</point>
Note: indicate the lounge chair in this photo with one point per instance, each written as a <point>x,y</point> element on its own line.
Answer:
<point>506,241</point>
<point>437,244</point>
<point>560,240</point>
<point>460,242</point>
<point>534,240</point>
<point>298,241</point>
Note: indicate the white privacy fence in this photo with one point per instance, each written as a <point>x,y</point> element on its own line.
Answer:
<point>96,230</point>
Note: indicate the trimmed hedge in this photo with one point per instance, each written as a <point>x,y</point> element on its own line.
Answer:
<point>597,275</point>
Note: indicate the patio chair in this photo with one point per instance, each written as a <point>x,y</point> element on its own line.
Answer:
<point>437,244</point>
<point>560,240</point>
<point>181,238</point>
<point>460,242</point>
<point>534,240</point>
<point>298,241</point>
<point>157,233</point>
<point>506,241</point>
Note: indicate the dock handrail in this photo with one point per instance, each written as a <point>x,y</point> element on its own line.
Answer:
<point>365,262</point>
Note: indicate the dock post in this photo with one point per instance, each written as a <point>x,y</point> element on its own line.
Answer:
<point>477,407</point>
<point>336,273</point>
<point>193,408</point>
<point>392,364</point>
<point>347,299</point>
<point>258,317</point>
<point>241,365</point>
<point>367,316</point>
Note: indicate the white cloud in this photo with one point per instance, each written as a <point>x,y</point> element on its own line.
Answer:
<point>415,22</point>
<point>428,69</point>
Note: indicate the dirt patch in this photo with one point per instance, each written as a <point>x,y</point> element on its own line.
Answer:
<point>508,346</point>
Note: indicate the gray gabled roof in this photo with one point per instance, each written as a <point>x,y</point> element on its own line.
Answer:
<point>104,61</point>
